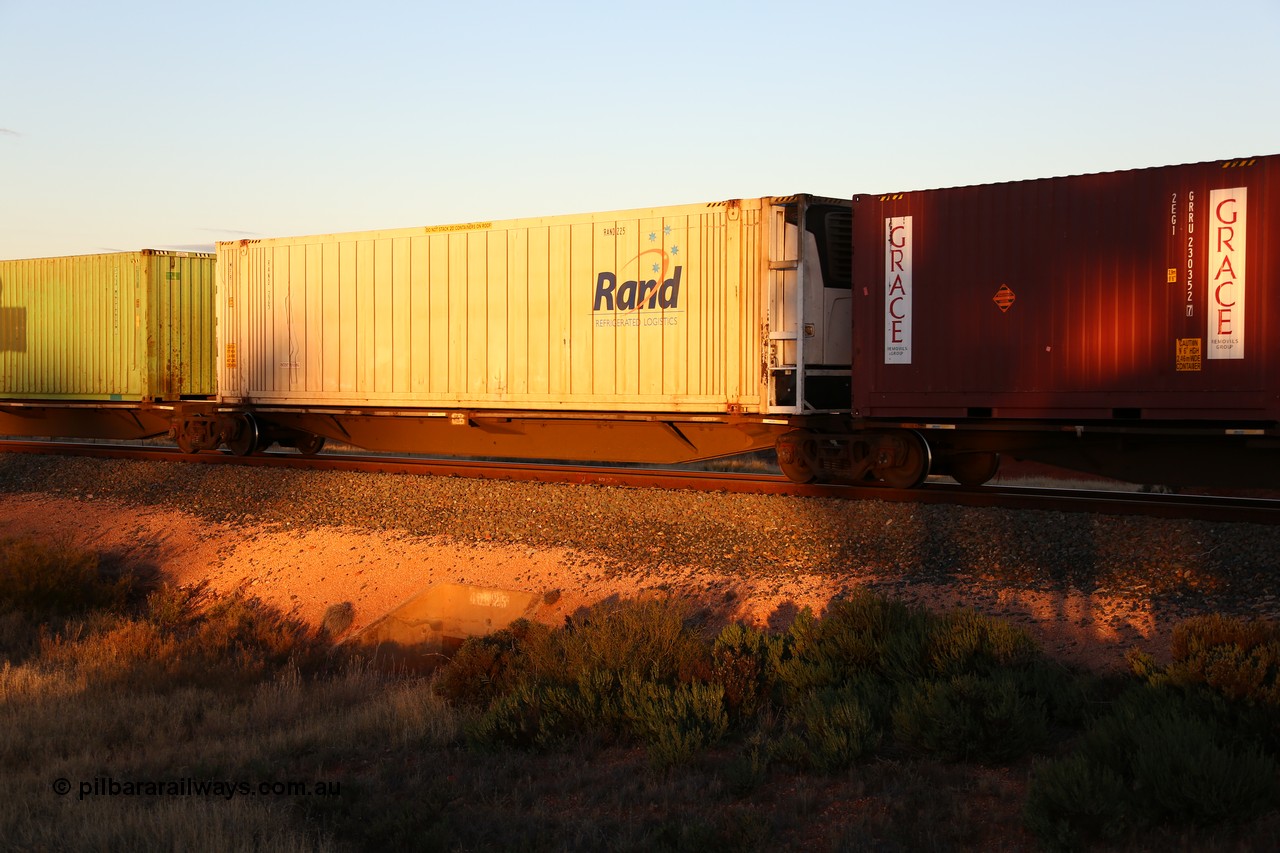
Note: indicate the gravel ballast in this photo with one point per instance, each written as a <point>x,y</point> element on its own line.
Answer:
<point>1173,568</point>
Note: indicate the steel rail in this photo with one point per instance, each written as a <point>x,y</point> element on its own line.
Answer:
<point>1173,506</point>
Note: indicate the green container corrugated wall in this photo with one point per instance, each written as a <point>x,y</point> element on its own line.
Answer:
<point>136,326</point>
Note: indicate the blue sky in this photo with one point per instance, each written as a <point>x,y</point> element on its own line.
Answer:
<point>130,125</point>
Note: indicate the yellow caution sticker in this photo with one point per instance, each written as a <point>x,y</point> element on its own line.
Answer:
<point>1187,353</point>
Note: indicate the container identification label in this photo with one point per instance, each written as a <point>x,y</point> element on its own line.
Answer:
<point>1226,273</point>
<point>1184,248</point>
<point>897,290</point>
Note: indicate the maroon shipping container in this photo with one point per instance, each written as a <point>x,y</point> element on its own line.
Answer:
<point>1139,296</point>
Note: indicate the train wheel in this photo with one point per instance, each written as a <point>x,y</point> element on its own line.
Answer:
<point>797,456</point>
<point>912,466</point>
<point>309,444</point>
<point>187,433</point>
<point>245,441</point>
<point>973,469</point>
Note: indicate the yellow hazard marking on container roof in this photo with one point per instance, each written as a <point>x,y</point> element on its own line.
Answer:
<point>1187,354</point>
<point>1004,298</point>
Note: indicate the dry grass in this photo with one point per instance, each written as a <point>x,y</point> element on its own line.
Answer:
<point>136,705</point>
<point>56,722</point>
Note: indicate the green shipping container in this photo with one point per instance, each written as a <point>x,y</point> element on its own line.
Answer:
<point>133,326</point>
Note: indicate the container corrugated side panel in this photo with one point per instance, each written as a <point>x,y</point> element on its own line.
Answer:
<point>536,314</point>
<point>72,329</point>
<point>99,327</point>
<point>1108,284</point>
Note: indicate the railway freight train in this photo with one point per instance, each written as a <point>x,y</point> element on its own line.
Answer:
<point>1123,324</point>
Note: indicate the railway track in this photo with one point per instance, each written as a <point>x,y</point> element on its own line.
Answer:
<point>1177,506</point>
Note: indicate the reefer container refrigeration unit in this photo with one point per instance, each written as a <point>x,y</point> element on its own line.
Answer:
<point>666,334</point>
<point>1128,321</point>
<point>99,345</point>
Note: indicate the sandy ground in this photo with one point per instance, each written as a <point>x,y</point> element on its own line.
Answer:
<point>303,571</point>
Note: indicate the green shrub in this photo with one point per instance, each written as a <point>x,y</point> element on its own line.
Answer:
<point>650,637</point>
<point>487,667</point>
<point>646,638</point>
<point>744,663</point>
<point>1229,668</point>
<point>965,641</point>
<point>1188,774</point>
<point>1073,801</point>
<point>1190,769</point>
<point>1196,633</point>
<point>1236,658</point>
<point>675,721</point>
<point>833,728</point>
<point>1166,758</point>
<point>988,718</point>
<point>898,642</point>
<point>863,634</point>
<point>1067,695</point>
<point>628,669</point>
<point>529,715</point>
<point>1110,739</point>
<point>959,686</point>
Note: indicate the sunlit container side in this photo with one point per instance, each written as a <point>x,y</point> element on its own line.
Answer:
<point>127,326</point>
<point>1129,296</point>
<point>658,310</point>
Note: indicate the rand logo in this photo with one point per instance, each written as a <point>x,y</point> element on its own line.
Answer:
<point>636,295</point>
